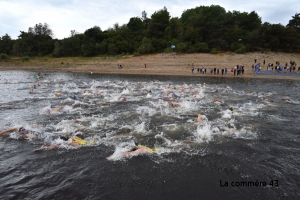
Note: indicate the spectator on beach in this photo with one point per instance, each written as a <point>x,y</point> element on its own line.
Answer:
<point>255,60</point>
<point>193,70</point>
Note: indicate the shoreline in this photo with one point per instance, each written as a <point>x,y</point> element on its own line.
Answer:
<point>157,65</point>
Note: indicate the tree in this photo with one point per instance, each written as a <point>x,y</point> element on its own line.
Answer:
<point>37,41</point>
<point>146,46</point>
<point>73,33</point>
<point>41,30</point>
<point>159,22</point>
<point>295,22</point>
<point>135,24</point>
<point>57,49</point>
<point>145,19</point>
<point>6,44</point>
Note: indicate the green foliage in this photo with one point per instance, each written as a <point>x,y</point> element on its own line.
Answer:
<point>235,46</point>
<point>159,22</point>
<point>112,49</point>
<point>3,57</point>
<point>295,22</point>
<point>146,46</point>
<point>199,29</point>
<point>168,50</point>
<point>25,58</point>
<point>136,53</point>
<point>241,50</point>
<point>57,50</point>
<point>213,51</point>
<point>202,47</point>
<point>181,47</point>
<point>135,24</point>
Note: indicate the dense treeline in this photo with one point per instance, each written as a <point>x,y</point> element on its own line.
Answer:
<point>201,29</point>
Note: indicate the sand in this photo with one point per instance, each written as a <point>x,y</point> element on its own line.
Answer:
<point>158,64</point>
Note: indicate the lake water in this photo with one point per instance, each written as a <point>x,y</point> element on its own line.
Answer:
<point>250,153</point>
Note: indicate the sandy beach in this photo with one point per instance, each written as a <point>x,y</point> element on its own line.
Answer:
<point>158,64</point>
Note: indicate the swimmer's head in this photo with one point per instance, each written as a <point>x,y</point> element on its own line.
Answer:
<point>231,108</point>
<point>48,110</point>
<point>63,137</point>
<point>81,136</point>
<point>73,97</point>
<point>58,94</point>
<point>21,129</point>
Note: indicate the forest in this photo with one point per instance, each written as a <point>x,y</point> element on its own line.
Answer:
<point>206,29</point>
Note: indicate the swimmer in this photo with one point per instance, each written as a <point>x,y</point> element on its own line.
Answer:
<point>76,141</point>
<point>289,100</point>
<point>285,99</point>
<point>136,150</point>
<point>122,98</point>
<point>74,97</point>
<point>21,130</point>
<point>173,104</point>
<point>31,89</point>
<point>175,96</point>
<point>6,81</point>
<point>87,92</point>
<point>199,119</point>
<point>217,101</point>
<point>267,100</point>
<point>54,110</point>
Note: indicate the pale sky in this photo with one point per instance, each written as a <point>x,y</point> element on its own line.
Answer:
<point>65,15</point>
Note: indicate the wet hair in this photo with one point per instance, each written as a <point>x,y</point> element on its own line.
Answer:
<point>22,129</point>
<point>63,137</point>
<point>136,143</point>
<point>134,148</point>
<point>231,109</point>
<point>81,136</point>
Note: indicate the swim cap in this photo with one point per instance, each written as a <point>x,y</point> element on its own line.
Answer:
<point>65,138</point>
<point>21,129</point>
<point>81,136</point>
<point>58,94</point>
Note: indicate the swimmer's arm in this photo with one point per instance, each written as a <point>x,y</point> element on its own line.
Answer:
<point>58,109</point>
<point>9,130</point>
<point>54,146</point>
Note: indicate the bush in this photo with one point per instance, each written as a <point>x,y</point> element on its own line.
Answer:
<point>25,58</point>
<point>202,47</point>
<point>168,50</point>
<point>136,53</point>
<point>4,57</point>
<point>241,50</point>
<point>213,51</point>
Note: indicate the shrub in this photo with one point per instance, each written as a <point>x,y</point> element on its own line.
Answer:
<point>213,51</point>
<point>25,58</point>
<point>4,57</point>
<point>202,47</point>
<point>136,53</point>
<point>241,50</point>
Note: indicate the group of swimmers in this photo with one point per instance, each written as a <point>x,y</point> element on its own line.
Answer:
<point>175,94</point>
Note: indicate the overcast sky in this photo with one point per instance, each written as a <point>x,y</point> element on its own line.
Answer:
<point>65,15</point>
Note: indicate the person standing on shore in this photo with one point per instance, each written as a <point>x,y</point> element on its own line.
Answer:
<point>145,65</point>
